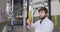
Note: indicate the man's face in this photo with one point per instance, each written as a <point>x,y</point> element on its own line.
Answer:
<point>42,14</point>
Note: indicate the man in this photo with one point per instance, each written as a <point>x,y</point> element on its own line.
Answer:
<point>43,24</point>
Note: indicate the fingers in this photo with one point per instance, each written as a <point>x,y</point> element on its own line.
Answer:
<point>28,21</point>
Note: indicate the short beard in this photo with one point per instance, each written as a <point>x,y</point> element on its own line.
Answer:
<point>43,18</point>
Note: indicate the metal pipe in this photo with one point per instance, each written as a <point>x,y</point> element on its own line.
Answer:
<point>49,5</point>
<point>27,7</point>
<point>12,4</point>
<point>21,6</point>
<point>24,18</point>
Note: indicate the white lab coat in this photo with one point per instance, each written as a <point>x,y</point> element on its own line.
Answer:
<point>46,25</point>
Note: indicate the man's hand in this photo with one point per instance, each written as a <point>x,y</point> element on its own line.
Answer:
<point>29,21</point>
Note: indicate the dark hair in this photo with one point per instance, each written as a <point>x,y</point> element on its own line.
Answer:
<point>43,9</point>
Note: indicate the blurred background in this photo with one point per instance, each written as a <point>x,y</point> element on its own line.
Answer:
<point>13,14</point>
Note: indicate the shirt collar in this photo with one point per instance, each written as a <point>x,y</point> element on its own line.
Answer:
<point>45,19</point>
